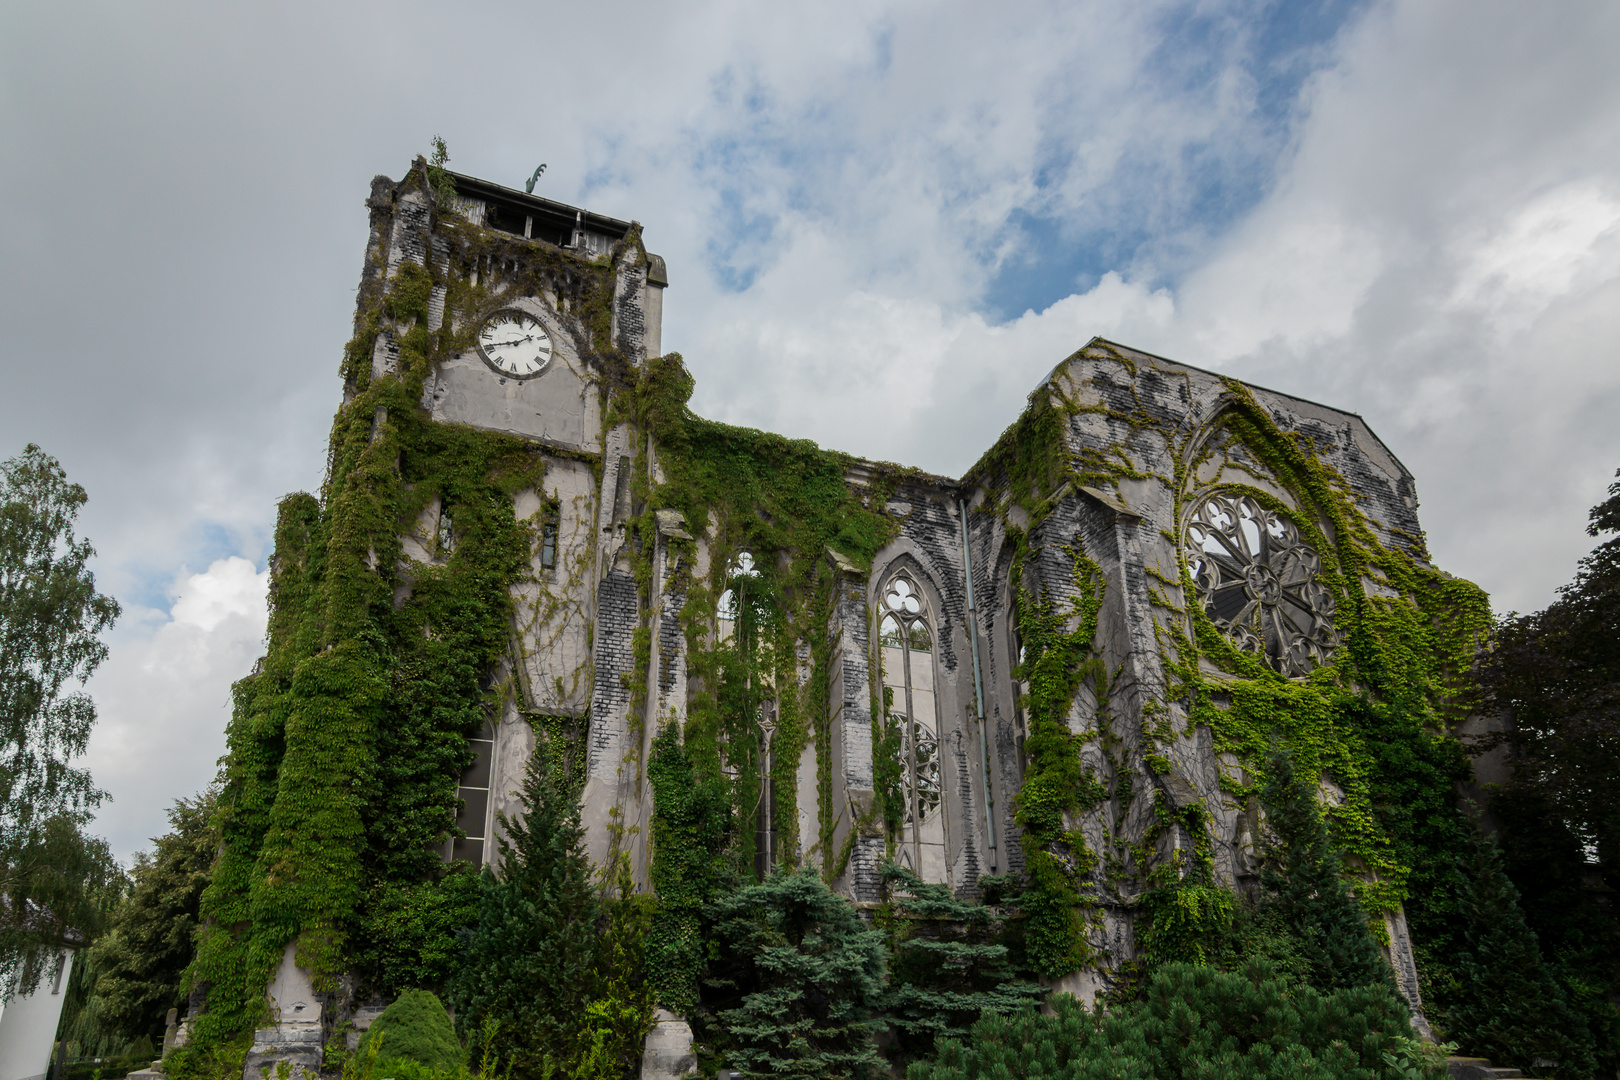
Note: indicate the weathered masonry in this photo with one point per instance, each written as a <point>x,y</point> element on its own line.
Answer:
<point>1068,664</point>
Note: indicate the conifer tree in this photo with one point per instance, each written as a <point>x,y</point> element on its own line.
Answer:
<point>530,959</point>
<point>803,977</point>
<point>140,964</point>
<point>414,1028</point>
<point>1510,1010</point>
<point>947,966</point>
<point>1302,878</point>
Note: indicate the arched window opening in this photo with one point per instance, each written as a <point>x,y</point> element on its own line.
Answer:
<point>746,611</point>
<point>726,609</point>
<point>907,643</point>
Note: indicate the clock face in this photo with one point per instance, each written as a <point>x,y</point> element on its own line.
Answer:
<point>515,344</point>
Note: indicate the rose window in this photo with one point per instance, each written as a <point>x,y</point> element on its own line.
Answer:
<point>1257,581</point>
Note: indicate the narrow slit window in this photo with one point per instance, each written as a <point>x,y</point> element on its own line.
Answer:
<point>446,541</point>
<point>473,792</point>
<point>548,539</point>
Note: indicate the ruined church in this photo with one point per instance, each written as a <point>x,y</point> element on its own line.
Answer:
<point>1068,664</point>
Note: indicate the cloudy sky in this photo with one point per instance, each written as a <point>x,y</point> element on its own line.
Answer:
<point>884,223</point>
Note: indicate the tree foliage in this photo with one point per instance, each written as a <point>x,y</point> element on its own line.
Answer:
<point>52,877</point>
<point>140,963</point>
<point>1511,1008</point>
<point>1558,673</point>
<point>529,960</point>
<point>795,978</point>
<point>1304,886</point>
<point>948,965</point>
<point>415,1028</point>
<point>1555,676</point>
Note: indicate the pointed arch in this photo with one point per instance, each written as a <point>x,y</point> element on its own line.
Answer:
<point>907,639</point>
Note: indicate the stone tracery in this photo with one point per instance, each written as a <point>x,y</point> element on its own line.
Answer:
<point>908,673</point>
<point>1257,581</point>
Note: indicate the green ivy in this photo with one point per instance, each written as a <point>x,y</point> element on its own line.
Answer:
<point>345,744</point>
<point>1376,717</point>
<point>1058,640</point>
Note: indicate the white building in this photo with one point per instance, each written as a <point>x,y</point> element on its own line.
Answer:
<point>28,1024</point>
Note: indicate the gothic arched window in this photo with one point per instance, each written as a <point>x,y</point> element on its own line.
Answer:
<point>907,644</point>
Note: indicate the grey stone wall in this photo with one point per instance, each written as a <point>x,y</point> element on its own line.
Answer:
<point>574,624</point>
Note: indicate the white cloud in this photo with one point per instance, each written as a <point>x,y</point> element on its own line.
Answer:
<point>1426,234</point>
<point>164,696</point>
<point>1433,254</point>
<point>1561,243</point>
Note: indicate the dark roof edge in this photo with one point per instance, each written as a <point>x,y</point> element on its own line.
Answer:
<point>473,188</point>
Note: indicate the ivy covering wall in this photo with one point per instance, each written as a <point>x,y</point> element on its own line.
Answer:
<point>346,741</point>
<point>1377,717</point>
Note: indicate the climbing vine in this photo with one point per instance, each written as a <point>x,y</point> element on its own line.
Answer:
<point>1410,633</point>
<point>390,609</point>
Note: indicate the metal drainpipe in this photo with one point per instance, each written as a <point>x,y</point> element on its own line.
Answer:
<point>978,690</point>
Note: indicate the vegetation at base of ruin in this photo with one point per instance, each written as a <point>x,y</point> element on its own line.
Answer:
<point>1302,881</point>
<point>1193,1022</point>
<point>57,881</point>
<point>551,975</point>
<point>416,1028</point>
<point>134,973</point>
<point>1515,1010</point>
<point>795,979</point>
<point>1555,674</point>
<point>949,962</point>
<point>527,961</point>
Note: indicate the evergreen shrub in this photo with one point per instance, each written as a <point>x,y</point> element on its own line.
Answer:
<point>1514,1011</point>
<point>529,960</point>
<point>415,1028</point>
<point>947,965</point>
<point>1192,1022</point>
<point>795,978</point>
<point>1304,888</point>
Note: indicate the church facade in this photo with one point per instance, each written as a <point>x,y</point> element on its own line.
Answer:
<point>1068,665</point>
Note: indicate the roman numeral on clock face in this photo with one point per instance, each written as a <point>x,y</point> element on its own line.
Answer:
<point>515,344</point>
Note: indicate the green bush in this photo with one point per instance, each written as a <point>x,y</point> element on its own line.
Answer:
<point>414,1028</point>
<point>530,961</point>
<point>795,977</point>
<point>947,965</point>
<point>1192,1022</point>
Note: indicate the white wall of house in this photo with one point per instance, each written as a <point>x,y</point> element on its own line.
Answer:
<point>28,1026</point>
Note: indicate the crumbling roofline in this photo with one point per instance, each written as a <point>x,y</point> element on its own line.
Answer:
<point>559,213</point>
<point>1099,340</point>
